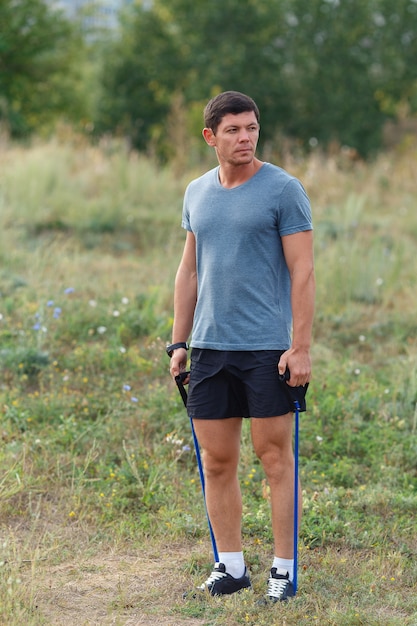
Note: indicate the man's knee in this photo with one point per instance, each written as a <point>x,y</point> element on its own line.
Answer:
<point>276,463</point>
<point>217,466</point>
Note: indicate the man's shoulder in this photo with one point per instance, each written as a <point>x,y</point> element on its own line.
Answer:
<point>276,172</point>
<point>278,181</point>
<point>208,178</point>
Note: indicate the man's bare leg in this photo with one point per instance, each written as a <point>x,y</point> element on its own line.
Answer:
<point>220,444</point>
<point>272,441</point>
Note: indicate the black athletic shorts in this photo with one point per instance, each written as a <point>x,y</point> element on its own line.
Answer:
<point>239,384</point>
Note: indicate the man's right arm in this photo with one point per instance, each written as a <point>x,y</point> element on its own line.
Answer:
<point>185,298</point>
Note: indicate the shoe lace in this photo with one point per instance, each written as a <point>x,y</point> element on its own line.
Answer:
<point>277,586</point>
<point>214,577</point>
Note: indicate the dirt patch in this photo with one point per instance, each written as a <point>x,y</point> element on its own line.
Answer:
<point>115,589</point>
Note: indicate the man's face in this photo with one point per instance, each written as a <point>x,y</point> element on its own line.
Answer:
<point>236,138</point>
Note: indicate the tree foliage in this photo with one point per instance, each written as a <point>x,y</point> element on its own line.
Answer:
<point>321,71</point>
<point>39,71</point>
<point>332,70</point>
<point>140,74</point>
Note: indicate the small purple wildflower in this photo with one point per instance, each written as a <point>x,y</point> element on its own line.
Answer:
<point>69,290</point>
<point>50,303</point>
<point>127,387</point>
<point>57,312</point>
<point>36,326</point>
<point>133,399</point>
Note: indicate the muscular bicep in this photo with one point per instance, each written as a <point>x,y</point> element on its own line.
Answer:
<point>298,252</point>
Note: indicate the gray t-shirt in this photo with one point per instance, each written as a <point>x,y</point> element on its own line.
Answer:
<point>243,293</point>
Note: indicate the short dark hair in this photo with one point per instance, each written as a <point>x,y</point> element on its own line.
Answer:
<point>227,102</point>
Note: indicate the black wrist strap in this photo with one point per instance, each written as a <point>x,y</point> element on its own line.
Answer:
<point>173,346</point>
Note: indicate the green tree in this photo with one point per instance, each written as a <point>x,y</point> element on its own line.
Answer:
<point>347,59</point>
<point>333,70</point>
<point>40,76</point>
<point>190,48</point>
<point>140,73</point>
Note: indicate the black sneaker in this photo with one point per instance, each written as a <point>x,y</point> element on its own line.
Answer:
<point>220,584</point>
<point>280,588</point>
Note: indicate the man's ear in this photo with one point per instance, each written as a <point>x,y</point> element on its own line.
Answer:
<point>209,137</point>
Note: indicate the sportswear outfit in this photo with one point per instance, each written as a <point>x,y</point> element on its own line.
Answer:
<point>243,318</point>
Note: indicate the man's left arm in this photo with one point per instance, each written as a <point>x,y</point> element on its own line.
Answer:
<point>299,256</point>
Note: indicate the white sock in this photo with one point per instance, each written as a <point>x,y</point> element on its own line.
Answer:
<point>283,566</point>
<point>234,562</point>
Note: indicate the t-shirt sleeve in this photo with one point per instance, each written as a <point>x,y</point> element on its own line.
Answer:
<point>185,222</point>
<point>294,209</point>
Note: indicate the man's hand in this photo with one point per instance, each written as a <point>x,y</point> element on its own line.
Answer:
<point>179,363</point>
<point>298,363</point>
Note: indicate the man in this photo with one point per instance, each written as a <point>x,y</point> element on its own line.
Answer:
<point>245,289</point>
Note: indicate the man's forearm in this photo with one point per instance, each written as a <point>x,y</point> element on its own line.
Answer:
<point>302,303</point>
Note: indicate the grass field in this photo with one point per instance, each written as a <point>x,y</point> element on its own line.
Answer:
<point>101,515</point>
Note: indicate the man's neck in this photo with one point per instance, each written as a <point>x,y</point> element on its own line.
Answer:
<point>234,175</point>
